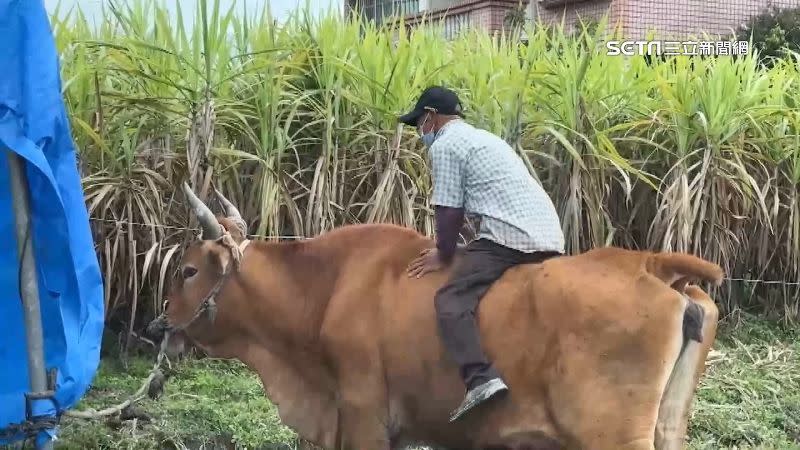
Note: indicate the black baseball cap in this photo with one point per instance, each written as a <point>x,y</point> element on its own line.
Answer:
<point>440,99</point>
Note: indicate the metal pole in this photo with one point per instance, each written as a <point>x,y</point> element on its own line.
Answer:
<point>29,288</point>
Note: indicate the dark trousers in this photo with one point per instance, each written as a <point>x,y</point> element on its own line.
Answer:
<point>456,302</point>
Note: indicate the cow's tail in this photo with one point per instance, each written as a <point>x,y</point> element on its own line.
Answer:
<point>680,269</point>
<point>673,412</point>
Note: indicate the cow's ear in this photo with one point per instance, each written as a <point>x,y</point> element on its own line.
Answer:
<point>218,258</point>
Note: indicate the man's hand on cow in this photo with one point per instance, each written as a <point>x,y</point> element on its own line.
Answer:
<point>427,261</point>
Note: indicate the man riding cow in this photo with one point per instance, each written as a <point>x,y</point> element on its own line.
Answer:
<point>477,173</point>
<point>601,350</point>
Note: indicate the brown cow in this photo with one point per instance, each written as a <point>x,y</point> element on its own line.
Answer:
<point>592,346</point>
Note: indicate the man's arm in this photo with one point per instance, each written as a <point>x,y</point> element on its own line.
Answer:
<point>448,198</point>
<point>448,223</point>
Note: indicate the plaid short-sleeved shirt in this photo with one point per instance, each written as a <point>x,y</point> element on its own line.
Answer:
<point>478,171</point>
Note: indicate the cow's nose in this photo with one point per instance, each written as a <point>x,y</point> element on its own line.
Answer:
<point>157,327</point>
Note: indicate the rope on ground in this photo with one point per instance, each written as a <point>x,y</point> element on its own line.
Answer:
<point>155,373</point>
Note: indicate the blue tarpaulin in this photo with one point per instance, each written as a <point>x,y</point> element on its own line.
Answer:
<point>34,125</point>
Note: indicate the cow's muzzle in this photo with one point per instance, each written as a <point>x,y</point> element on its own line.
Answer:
<point>157,327</point>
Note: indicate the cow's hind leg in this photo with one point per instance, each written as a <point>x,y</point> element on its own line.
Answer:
<point>674,409</point>
<point>609,399</point>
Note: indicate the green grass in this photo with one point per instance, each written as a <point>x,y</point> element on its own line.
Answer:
<point>748,399</point>
<point>206,403</point>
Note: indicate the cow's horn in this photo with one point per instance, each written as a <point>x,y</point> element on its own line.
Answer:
<point>231,211</point>
<point>211,228</point>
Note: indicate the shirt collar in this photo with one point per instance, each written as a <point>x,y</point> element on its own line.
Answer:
<point>446,126</point>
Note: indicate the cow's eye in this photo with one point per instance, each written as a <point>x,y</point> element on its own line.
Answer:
<point>189,272</point>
